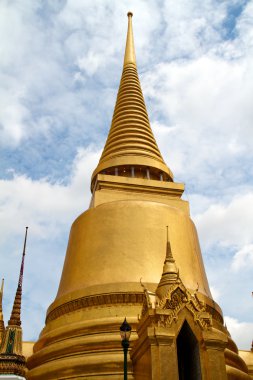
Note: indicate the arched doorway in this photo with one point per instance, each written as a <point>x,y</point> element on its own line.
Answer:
<point>188,354</point>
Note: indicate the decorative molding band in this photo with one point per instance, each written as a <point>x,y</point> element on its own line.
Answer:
<point>139,185</point>
<point>214,313</point>
<point>95,301</point>
<point>12,365</point>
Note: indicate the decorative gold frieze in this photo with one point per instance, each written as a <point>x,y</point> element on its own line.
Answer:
<point>95,301</point>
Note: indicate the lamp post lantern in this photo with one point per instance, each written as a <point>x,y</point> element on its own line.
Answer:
<point>125,332</point>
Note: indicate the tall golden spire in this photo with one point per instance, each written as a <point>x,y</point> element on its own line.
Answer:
<point>131,143</point>
<point>11,359</point>
<point>1,313</point>
<point>15,319</point>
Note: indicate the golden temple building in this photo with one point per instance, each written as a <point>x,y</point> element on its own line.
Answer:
<point>134,253</point>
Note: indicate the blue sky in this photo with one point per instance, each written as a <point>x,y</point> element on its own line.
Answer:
<point>60,68</point>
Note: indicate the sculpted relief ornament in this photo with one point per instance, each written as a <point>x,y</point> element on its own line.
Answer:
<point>171,297</point>
<point>176,299</point>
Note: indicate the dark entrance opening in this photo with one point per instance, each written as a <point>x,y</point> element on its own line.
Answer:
<point>188,355</point>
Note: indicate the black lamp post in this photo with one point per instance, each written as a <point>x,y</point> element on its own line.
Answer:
<point>125,332</point>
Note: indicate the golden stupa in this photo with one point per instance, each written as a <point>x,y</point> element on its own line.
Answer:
<point>118,240</point>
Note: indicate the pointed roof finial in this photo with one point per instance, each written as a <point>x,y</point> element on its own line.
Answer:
<point>16,310</point>
<point>23,261</point>
<point>130,58</point>
<point>169,263</point>
<point>170,273</point>
<point>169,257</point>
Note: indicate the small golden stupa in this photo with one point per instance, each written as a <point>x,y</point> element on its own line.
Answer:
<point>178,330</point>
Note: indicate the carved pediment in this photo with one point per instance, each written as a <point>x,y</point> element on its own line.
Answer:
<point>174,298</point>
<point>171,297</point>
<point>173,302</point>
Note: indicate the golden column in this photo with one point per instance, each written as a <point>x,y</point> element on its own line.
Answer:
<point>118,240</point>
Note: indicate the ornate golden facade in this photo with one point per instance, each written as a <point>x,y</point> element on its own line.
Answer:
<point>176,324</point>
<point>118,240</point>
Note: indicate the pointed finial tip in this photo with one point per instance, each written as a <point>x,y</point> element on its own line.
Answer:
<point>167,229</point>
<point>129,58</point>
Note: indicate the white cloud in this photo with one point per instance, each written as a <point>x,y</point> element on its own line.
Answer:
<point>46,207</point>
<point>49,210</point>
<point>193,27</point>
<point>241,332</point>
<point>216,293</point>
<point>12,119</point>
<point>244,27</point>
<point>90,62</point>
<point>243,258</point>
<point>209,116</point>
<point>228,223</point>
